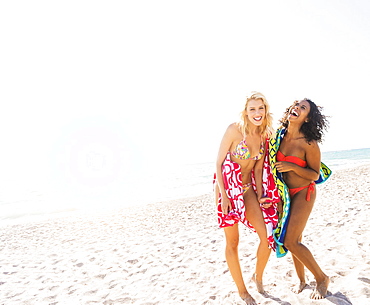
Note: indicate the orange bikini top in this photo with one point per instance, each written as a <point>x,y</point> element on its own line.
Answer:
<point>281,157</point>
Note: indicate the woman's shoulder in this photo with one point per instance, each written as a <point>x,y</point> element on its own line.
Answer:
<point>311,145</point>
<point>233,132</point>
<point>234,128</point>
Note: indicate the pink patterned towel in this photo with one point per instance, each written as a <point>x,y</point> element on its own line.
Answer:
<point>231,174</point>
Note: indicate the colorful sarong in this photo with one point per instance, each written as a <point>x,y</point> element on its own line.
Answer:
<point>232,178</point>
<point>280,230</point>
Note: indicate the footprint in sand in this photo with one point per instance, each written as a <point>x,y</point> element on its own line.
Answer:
<point>56,262</point>
<point>91,292</point>
<point>112,286</point>
<point>133,261</point>
<point>364,279</point>
<point>53,288</point>
<point>289,273</point>
<point>51,298</point>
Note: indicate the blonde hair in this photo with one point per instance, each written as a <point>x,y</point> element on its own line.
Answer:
<point>265,129</point>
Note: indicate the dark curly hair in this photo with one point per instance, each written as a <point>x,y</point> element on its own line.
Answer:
<point>317,122</point>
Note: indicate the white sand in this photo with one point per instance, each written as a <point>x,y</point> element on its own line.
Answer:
<point>173,253</point>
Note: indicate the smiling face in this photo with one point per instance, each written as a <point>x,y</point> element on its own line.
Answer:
<point>299,112</point>
<point>256,111</point>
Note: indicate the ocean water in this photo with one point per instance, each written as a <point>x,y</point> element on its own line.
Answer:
<point>346,158</point>
<point>36,199</point>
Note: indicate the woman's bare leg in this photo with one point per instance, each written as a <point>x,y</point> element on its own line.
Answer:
<point>255,217</point>
<point>299,268</point>
<point>300,210</point>
<point>232,259</point>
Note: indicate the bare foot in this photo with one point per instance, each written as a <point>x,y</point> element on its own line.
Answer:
<point>299,288</point>
<point>259,284</point>
<point>321,289</point>
<point>247,298</point>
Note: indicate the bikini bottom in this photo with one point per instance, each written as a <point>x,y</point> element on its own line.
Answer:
<point>311,189</point>
<point>246,187</point>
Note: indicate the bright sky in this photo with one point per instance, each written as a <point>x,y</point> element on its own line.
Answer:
<point>98,87</point>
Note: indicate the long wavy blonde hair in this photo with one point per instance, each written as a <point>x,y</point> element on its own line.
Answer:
<point>265,129</point>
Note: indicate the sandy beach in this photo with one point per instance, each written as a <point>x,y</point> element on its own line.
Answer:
<point>173,253</point>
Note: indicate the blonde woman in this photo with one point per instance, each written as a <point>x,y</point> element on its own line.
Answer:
<point>242,150</point>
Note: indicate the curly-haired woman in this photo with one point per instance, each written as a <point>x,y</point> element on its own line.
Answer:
<point>299,161</point>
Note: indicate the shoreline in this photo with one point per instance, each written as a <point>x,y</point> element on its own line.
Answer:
<point>172,252</point>
<point>46,209</point>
